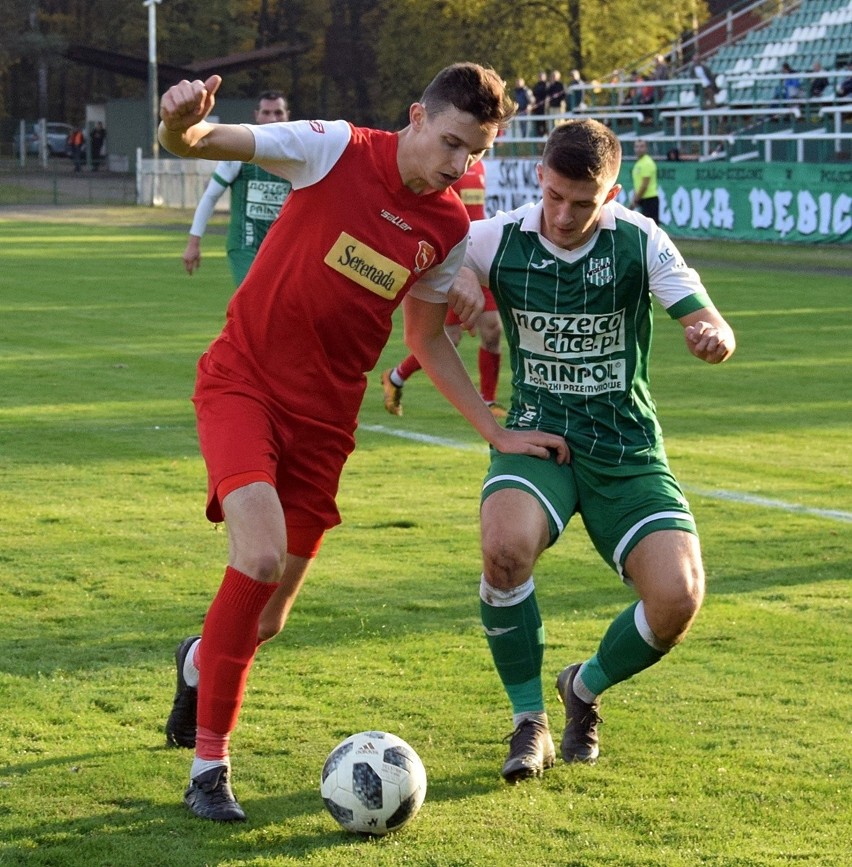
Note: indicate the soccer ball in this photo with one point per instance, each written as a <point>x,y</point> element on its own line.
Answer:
<point>373,783</point>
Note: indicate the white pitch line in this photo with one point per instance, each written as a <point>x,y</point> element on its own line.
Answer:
<point>733,496</point>
<point>753,500</point>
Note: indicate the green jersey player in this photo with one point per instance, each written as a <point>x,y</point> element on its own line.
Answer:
<point>574,277</point>
<point>256,199</point>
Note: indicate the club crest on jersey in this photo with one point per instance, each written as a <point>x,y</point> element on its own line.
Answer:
<point>425,257</point>
<point>599,271</point>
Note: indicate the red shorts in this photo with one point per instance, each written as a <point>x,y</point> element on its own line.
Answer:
<point>243,429</point>
<point>490,304</point>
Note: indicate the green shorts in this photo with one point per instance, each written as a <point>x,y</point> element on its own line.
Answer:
<point>619,505</point>
<point>239,261</point>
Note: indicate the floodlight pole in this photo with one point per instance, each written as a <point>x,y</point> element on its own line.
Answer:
<point>153,95</point>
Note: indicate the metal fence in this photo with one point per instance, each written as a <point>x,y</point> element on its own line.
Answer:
<point>57,183</point>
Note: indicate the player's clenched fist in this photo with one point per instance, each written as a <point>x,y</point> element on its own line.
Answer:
<point>188,102</point>
<point>709,342</point>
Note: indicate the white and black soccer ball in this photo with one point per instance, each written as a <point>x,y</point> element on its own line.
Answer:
<point>373,783</point>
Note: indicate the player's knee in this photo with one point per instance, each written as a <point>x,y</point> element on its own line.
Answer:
<point>673,608</point>
<point>265,565</point>
<point>506,562</point>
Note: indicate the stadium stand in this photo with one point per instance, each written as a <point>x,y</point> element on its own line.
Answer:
<point>750,115</point>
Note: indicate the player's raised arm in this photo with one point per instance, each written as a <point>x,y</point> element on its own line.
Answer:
<point>185,131</point>
<point>708,336</point>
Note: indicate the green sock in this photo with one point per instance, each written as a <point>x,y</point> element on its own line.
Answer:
<point>515,636</point>
<point>622,653</point>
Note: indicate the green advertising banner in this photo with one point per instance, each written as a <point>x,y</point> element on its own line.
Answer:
<point>777,202</point>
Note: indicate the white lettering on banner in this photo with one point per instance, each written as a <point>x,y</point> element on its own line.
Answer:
<point>823,214</point>
<point>510,184</point>
<point>569,336</point>
<point>698,208</point>
<point>690,208</point>
<point>558,377</point>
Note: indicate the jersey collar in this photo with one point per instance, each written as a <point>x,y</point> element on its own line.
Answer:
<point>531,222</point>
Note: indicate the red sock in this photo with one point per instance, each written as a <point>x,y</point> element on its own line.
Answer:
<point>406,367</point>
<point>226,652</point>
<point>489,373</point>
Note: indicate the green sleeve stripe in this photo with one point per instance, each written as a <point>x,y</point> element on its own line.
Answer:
<point>220,181</point>
<point>689,305</point>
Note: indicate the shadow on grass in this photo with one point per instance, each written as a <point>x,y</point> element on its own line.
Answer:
<point>129,831</point>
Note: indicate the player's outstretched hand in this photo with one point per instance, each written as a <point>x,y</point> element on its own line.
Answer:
<point>532,442</point>
<point>466,299</point>
<point>187,103</point>
<point>709,342</point>
<point>192,254</point>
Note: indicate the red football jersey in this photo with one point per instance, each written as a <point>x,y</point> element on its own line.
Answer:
<point>471,188</point>
<point>314,313</point>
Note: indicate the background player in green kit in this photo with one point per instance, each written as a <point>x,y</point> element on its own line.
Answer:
<point>256,199</point>
<point>574,276</point>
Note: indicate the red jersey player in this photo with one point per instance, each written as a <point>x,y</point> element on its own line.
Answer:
<point>471,189</point>
<point>369,224</point>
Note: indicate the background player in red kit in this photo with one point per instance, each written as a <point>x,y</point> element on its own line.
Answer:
<point>471,189</point>
<point>370,221</point>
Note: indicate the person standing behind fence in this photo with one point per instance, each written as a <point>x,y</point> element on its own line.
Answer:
<point>75,143</point>
<point>576,101</point>
<point>818,85</point>
<point>539,90</point>
<point>556,96</point>
<point>524,99</point>
<point>256,199</point>
<point>98,139</point>
<point>645,194</point>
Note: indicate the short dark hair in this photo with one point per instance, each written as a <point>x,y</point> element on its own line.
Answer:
<point>583,150</point>
<point>271,95</point>
<point>471,88</point>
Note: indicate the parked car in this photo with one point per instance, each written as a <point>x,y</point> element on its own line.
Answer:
<point>57,135</point>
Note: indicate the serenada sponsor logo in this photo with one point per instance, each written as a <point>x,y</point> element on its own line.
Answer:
<point>367,267</point>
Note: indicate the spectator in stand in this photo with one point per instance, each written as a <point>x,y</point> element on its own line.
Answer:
<point>556,95</point>
<point>525,100</point>
<point>630,95</point>
<point>818,85</point>
<point>540,102</point>
<point>645,95</point>
<point>790,87</point>
<point>661,73</point>
<point>576,102</point>
<point>704,74</point>
<point>844,89</point>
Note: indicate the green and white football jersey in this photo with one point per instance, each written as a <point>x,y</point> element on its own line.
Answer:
<point>256,199</point>
<point>579,325</point>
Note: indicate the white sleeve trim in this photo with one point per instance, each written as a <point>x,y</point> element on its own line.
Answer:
<point>301,151</point>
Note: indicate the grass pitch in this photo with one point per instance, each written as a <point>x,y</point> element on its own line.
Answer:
<point>734,751</point>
